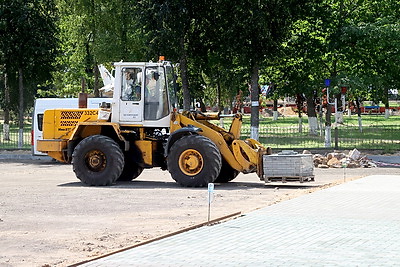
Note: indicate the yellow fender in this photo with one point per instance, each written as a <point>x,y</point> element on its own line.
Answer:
<point>85,129</point>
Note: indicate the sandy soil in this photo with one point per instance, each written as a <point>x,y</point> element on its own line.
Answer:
<point>48,218</point>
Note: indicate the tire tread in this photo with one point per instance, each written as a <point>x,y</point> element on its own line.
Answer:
<point>211,169</point>
<point>96,142</point>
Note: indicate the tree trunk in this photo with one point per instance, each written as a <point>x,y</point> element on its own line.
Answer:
<point>299,103</point>
<point>328,125</point>
<point>321,118</point>
<point>387,106</point>
<point>300,123</point>
<point>124,25</point>
<point>275,110</point>
<point>312,116</point>
<point>95,69</point>
<point>360,128</point>
<point>88,61</point>
<point>254,127</point>
<point>21,108</point>
<point>202,105</point>
<point>96,85</point>
<point>6,125</point>
<point>184,76</point>
<point>219,102</point>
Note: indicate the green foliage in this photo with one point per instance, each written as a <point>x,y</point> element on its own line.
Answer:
<point>27,45</point>
<point>295,44</point>
<point>93,32</point>
<point>354,43</point>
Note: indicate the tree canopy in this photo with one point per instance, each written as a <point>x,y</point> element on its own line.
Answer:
<point>223,47</point>
<point>28,43</point>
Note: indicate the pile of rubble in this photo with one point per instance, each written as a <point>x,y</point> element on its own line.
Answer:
<point>353,159</point>
<point>286,111</point>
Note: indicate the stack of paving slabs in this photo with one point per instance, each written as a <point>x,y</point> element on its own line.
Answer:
<point>288,166</point>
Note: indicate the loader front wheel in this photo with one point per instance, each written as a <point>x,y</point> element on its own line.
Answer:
<point>194,161</point>
<point>98,160</point>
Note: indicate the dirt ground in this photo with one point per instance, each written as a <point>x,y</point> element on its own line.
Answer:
<point>48,218</point>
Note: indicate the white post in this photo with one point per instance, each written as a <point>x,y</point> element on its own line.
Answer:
<point>387,113</point>
<point>328,137</point>
<point>210,192</point>
<point>6,132</point>
<point>275,115</point>
<point>313,124</point>
<point>254,132</point>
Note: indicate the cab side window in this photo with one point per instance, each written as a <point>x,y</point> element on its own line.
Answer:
<point>131,84</point>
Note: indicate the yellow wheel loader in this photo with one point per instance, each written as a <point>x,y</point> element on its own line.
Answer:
<point>142,128</point>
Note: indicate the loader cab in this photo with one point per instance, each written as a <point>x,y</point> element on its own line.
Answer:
<point>144,94</point>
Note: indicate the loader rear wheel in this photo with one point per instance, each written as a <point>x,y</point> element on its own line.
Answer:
<point>227,173</point>
<point>194,161</point>
<point>98,160</point>
<point>131,168</point>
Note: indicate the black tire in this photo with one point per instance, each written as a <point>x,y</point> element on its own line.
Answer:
<point>131,168</point>
<point>98,160</point>
<point>194,161</point>
<point>227,173</point>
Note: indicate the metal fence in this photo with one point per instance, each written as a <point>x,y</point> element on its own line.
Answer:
<point>347,136</point>
<point>11,141</point>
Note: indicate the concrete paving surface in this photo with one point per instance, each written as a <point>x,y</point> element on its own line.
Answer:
<point>353,224</point>
<point>385,159</point>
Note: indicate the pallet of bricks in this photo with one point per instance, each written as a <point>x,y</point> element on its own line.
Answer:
<point>288,166</point>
